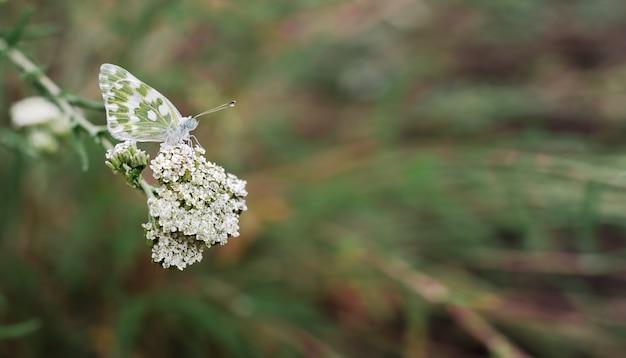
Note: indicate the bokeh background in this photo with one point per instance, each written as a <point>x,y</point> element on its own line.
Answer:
<point>426,179</point>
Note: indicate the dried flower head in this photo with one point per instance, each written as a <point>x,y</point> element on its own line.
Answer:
<point>197,204</point>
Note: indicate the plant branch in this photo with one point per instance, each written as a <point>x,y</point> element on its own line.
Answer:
<point>20,60</point>
<point>53,90</point>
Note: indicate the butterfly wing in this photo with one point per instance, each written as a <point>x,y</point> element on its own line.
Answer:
<point>135,111</point>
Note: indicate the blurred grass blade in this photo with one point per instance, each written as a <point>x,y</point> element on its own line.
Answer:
<point>19,329</point>
<point>34,31</point>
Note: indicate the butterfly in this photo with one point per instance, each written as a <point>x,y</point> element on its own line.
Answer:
<point>138,112</point>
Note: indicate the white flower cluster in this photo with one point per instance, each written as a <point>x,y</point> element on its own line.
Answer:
<point>43,122</point>
<point>120,149</point>
<point>125,157</point>
<point>173,248</point>
<point>34,111</point>
<point>197,204</point>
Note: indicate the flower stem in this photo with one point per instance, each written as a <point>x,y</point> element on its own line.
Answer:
<point>147,188</point>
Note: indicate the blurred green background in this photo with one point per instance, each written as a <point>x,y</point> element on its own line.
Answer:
<point>426,179</point>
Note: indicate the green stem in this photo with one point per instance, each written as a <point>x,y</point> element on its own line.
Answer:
<point>83,102</point>
<point>147,188</point>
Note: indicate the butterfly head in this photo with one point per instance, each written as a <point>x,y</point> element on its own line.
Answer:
<point>188,124</point>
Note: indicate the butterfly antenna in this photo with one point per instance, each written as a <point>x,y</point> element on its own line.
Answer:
<point>218,108</point>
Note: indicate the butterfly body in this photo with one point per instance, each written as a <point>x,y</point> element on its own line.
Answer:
<point>186,125</point>
<point>136,111</point>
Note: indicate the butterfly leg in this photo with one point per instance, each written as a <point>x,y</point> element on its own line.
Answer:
<point>192,138</point>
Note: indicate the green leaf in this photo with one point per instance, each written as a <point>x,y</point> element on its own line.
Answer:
<point>15,35</point>
<point>13,140</point>
<point>79,146</point>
